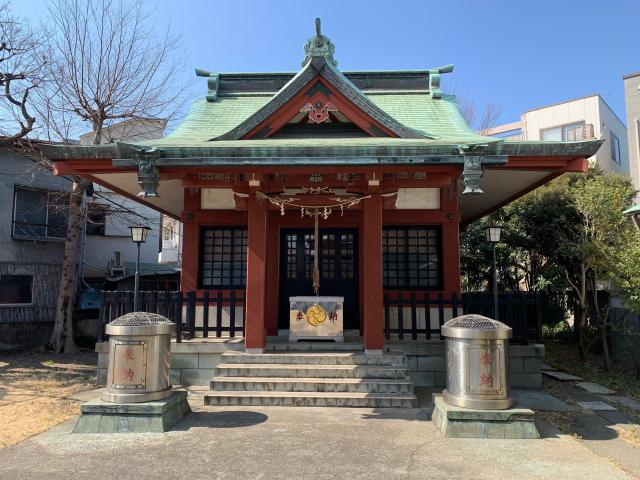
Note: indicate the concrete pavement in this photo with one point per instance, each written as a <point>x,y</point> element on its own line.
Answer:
<point>299,443</point>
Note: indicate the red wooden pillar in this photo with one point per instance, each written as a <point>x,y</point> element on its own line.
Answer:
<point>190,249</point>
<point>190,241</point>
<point>255,334</point>
<point>451,257</point>
<point>372,306</point>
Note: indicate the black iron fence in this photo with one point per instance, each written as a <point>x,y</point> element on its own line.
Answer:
<point>406,315</point>
<point>417,316</point>
<point>190,312</point>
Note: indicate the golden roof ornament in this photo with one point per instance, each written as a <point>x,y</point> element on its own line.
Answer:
<point>319,46</point>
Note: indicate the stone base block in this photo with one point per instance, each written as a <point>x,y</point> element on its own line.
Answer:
<point>98,416</point>
<point>459,422</point>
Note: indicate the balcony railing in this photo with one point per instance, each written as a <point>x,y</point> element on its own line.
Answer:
<point>514,136</point>
<point>575,134</point>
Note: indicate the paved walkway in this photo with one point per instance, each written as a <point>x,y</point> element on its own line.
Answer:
<point>300,443</point>
<point>599,419</point>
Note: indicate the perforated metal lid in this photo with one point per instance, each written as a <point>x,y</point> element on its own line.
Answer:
<point>139,323</point>
<point>476,326</point>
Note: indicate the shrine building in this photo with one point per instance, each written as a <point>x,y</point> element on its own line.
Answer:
<point>379,167</point>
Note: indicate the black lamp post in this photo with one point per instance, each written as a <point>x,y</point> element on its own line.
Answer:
<point>492,233</point>
<point>139,235</point>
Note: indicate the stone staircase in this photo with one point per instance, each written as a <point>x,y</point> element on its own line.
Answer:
<point>312,378</point>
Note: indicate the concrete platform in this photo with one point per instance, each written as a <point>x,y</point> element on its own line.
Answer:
<point>98,416</point>
<point>193,362</point>
<point>459,422</point>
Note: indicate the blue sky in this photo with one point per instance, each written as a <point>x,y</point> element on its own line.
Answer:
<point>517,54</point>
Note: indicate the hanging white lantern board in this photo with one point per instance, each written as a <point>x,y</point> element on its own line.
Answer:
<point>316,318</point>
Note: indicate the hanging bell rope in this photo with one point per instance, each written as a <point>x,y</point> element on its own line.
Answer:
<point>314,211</point>
<point>333,203</point>
<point>316,253</point>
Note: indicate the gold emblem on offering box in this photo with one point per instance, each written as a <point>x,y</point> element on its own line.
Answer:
<point>316,315</point>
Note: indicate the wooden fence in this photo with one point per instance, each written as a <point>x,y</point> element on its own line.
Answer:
<point>419,316</point>
<point>182,309</point>
<point>406,315</point>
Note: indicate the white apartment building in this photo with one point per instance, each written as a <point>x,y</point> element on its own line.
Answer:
<point>580,119</point>
<point>632,101</point>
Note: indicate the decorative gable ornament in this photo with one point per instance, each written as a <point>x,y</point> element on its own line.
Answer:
<point>319,46</point>
<point>319,112</point>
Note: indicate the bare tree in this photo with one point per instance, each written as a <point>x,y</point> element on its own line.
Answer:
<point>22,63</point>
<point>481,121</point>
<point>488,118</point>
<point>107,66</point>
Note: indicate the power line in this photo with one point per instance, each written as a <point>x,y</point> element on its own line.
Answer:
<point>126,209</point>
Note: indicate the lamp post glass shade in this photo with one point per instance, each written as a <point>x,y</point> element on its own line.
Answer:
<point>493,233</point>
<point>139,233</point>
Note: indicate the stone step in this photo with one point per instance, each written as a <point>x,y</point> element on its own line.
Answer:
<point>314,347</point>
<point>287,384</point>
<point>310,399</point>
<point>316,358</point>
<point>306,371</point>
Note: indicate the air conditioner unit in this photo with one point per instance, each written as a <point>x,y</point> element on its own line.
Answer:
<point>115,265</point>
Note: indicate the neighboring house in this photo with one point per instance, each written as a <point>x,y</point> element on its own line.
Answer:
<point>171,249</point>
<point>108,248</point>
<point>580,119</point>
<point>131,130</point>
<point>625,336</point>
<point>33,224</point>
<point>32,232</point>
<point>632,100</point>
<point>107,232</point>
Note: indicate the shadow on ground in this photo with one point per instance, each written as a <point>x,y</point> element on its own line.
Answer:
<point>233,419</point>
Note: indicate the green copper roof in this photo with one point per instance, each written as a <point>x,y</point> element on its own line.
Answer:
<point>320,66</point>
<point>439,117</point>
<point>415,110</point>
<point>410,104</point>
<point>208,120</point>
